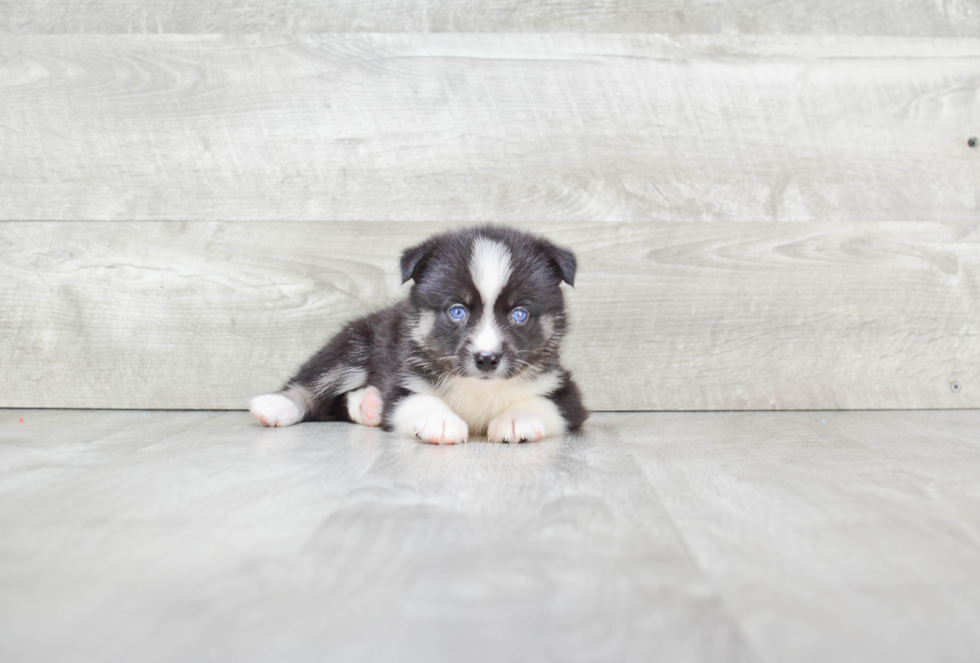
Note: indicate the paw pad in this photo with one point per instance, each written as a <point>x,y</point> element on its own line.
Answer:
<point>364,406</point>
<point>371,407</point>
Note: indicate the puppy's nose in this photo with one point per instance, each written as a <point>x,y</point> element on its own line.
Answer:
<point>486,361</point>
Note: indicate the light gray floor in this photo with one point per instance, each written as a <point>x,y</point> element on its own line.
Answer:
<point>198,536</point>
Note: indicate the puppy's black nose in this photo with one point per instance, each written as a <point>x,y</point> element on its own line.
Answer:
<point>486,361</point>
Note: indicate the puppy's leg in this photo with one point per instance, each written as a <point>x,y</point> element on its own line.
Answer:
<point>312,394</point>
<point>568,399</point>
<point>283,409</point>
<point>530,420</point>
<point>527,421</point>
<point>429,419</point>
<point>364,406</point>
<point>308,399</point>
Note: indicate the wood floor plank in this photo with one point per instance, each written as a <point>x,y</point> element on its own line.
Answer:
<point>664,316</point>
<point>944,459</point>
<point>825,540</point>
<point>205,536</point>
<point>804,536</point>
<point>492,127</point>
<point>857,17</point>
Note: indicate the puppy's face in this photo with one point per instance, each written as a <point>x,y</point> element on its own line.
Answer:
<point>488,302</point>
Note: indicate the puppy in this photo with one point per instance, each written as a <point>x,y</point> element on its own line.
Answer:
<point>474,348</point>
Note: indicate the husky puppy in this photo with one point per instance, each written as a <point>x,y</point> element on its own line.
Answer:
<point>473,349</point>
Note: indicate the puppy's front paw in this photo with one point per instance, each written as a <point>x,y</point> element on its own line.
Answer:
<point>275,410</point>
<point>441,428</point>
<point>516,426</point>
<point>364,406</point>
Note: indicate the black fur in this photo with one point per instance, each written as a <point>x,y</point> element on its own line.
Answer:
<point>380,350</point>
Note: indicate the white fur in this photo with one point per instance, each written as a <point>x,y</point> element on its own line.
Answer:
<point>487,339</point>
<point>547,323</point>
<point>528,420</point>
<point>490,269</point>
<point>364,406</point>
<point>421,331</point>
<point>479,401</point>
<point>275,410</point>
<point>429,419</point>
<point>515,426</point>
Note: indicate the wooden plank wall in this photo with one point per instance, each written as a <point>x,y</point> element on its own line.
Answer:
<point>926,18</point>
<point>774,206</point>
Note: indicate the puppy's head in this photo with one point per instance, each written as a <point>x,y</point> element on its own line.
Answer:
<point>487,302</point>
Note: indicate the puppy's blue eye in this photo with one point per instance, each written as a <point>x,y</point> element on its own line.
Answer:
<point>457,312</point>
<point>518,315</point>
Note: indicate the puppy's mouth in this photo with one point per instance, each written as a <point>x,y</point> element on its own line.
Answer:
<point>490,376</point>
<point>502,372</point>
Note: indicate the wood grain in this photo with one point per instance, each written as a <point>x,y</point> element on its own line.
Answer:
<point>846,536</point>
<point>676,537</point>
<point>666,316</point>
<point>203,536</point>
<point>856,17</point>
<point>488,128</point>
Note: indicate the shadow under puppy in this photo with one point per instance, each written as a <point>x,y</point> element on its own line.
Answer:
<point>473,349</point>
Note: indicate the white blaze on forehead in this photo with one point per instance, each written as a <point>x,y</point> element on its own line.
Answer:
<point>490,269</point>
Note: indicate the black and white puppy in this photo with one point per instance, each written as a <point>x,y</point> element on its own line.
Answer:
<point>473,349</point>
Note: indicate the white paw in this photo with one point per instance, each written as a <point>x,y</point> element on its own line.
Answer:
<point>275,410</point>
<point>516,426</point>
<point>441,428</point>
<point>364,406</point>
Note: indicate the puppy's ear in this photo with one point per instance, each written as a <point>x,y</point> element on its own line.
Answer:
<point>564,260</point>
<point>414,260</point>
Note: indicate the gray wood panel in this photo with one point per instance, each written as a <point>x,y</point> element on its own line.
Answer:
<point>204,537</point>
<point>489,127</point>
<point>671,316</point>
<point>857,17</point>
